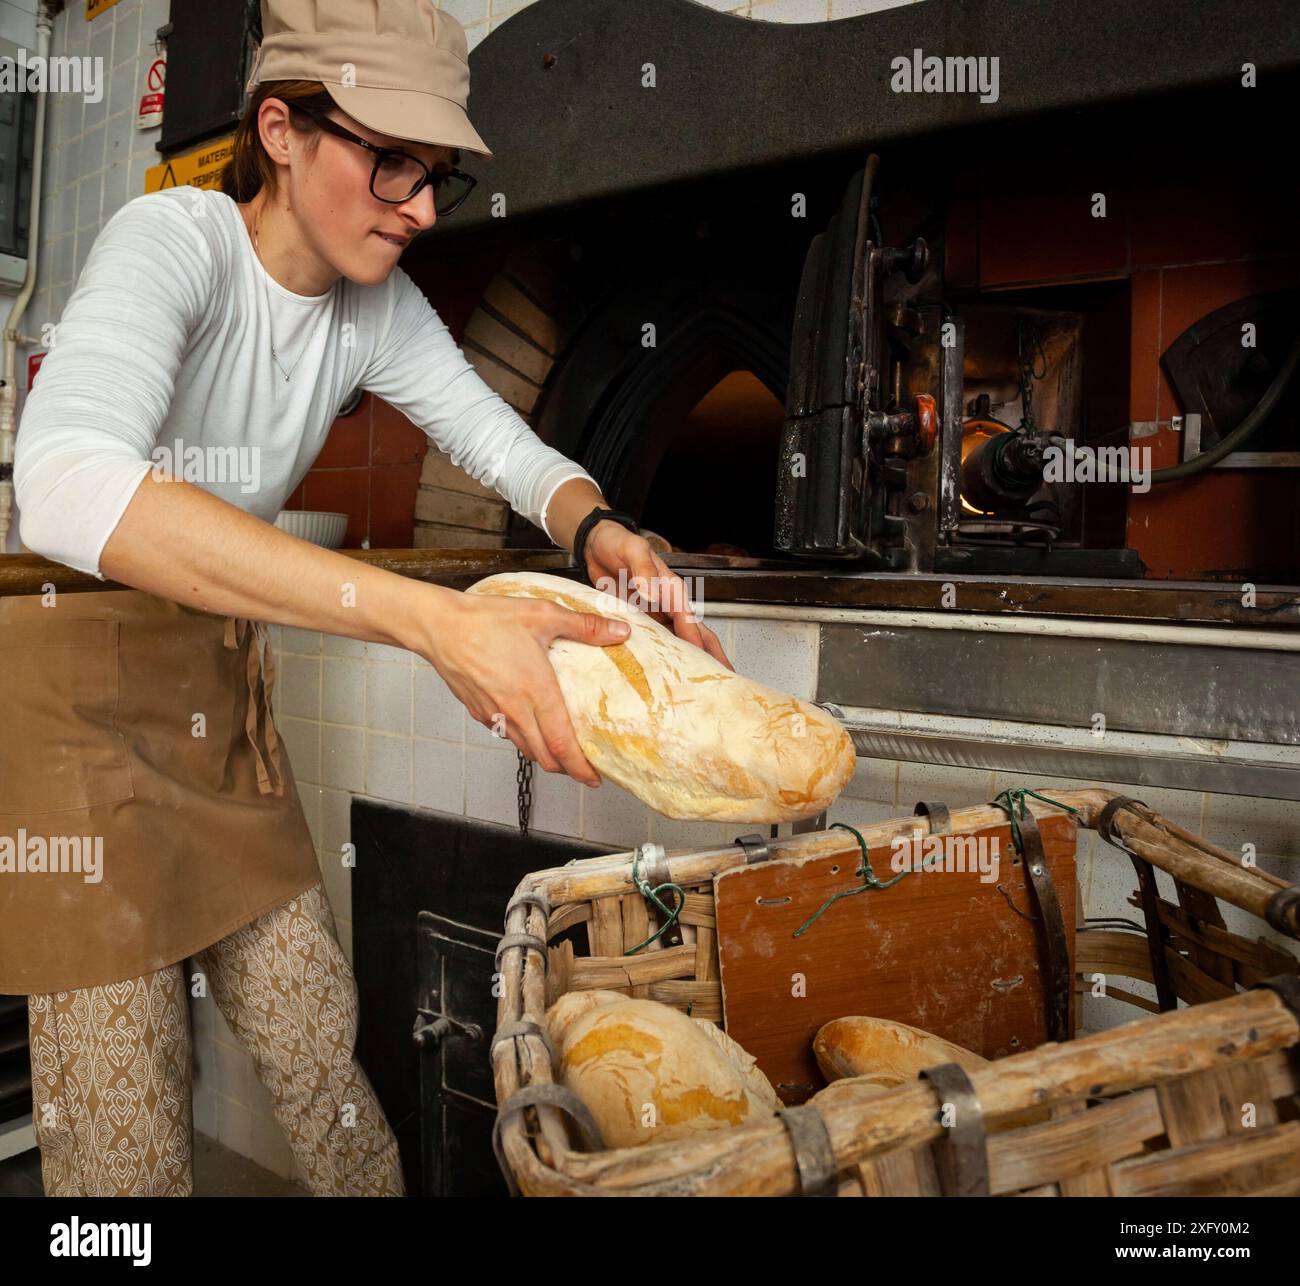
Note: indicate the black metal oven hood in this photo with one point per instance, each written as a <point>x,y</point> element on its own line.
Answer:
<point>558,90</point>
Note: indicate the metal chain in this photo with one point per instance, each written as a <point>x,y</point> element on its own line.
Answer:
<point>524,783</point>
<point>1032,363</point>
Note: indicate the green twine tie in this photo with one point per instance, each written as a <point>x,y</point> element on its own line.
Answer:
<point>869,881</point>
<point>652,896</point>
<point>1008,800</point>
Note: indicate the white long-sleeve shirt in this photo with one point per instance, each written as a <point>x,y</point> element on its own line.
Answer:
<point>163,360</point>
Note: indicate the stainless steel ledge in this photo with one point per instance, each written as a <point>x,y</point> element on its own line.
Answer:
<point>1219,775</point>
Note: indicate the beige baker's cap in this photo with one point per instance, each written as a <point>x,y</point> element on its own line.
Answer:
<point>398,66</point>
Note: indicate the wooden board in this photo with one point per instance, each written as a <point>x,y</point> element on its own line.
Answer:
<point>941,950</point>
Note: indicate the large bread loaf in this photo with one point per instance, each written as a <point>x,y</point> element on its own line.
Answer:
<point>867,1056</point>
<point>646,1071</point>
<point>885,1052</point>
<point>679,730</point>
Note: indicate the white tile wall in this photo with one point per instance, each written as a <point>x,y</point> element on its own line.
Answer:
<point>343,690</point>
<point>438,782</point>
<point>388,766</point>
<point>18,22</point>
<point>782,654</point>
<point>95,157</point>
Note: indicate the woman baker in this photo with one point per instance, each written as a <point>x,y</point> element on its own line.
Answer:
<point>228,327</point>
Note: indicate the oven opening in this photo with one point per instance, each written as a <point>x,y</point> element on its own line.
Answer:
<point>713,487</point>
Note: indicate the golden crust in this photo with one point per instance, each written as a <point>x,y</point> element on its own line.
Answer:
<point>667,722</point>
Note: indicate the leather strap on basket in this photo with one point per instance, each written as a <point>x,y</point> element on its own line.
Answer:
<point>530,897</point>
<point>557,1096</point>
<point>1286,987</point>
<point>1106,818</point>
<point>814,1157</point>
<point>939,815</point>
<point>1056,951</point>
<point>962,1156</point>
<point>523,1027</point>
<point>1282,911</point>
<point>1148,893</point>
<point>754,846</point>
<point>529,941</point>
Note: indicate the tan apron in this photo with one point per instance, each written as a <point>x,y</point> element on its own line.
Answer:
<point>147,808</point>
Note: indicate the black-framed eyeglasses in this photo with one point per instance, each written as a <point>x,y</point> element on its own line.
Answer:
<point>398,176</point>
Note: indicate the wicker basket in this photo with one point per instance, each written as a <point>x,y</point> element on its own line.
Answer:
<point>1197,1100</point>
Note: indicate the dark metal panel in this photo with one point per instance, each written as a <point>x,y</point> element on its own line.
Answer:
<point>1171,688</point>
<point>1172,601</point>
<point>820,494</point>
<point>457,1100</point>
<point>411,860</point>
<point>557,90</point>
<point>206,60</point>
<point>15,1059</point>
<point>953,410</point>
<point>17,145</point>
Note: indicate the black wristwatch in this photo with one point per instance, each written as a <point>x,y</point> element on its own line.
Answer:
<point>584,530</point>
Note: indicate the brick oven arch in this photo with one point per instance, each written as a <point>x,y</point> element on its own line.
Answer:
<point>568,357</point>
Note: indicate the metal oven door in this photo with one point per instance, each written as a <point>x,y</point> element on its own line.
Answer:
<point>454,1022</point>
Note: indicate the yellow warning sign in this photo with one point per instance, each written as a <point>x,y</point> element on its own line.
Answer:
<point>199,169</point>
<point>95,7</point>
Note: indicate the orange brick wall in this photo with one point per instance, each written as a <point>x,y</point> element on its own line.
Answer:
<point>368,469</point>
<point>370,465</point>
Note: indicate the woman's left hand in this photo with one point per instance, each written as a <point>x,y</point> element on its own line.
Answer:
<point>611,549</point>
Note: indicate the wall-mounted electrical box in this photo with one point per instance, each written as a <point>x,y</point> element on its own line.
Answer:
<point>209,49</point>
<point>17,146</point>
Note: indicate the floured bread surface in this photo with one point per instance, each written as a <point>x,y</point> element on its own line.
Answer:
<point>887,1052</point>
<point>574,1005</point>
<point>647,1072</point>
<point>679,730</point>
<point>743,1061</point>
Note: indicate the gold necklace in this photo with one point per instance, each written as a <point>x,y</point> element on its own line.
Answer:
<point>266,290</point>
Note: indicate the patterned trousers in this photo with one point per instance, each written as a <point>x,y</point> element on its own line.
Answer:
<point>111,1065</point>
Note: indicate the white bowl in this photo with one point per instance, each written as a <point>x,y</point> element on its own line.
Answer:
<point>324,529</point>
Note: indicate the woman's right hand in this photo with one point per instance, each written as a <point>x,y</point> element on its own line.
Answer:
<point>491,652</point>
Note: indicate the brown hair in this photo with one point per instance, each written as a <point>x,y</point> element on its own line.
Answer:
<point>250,169</point>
